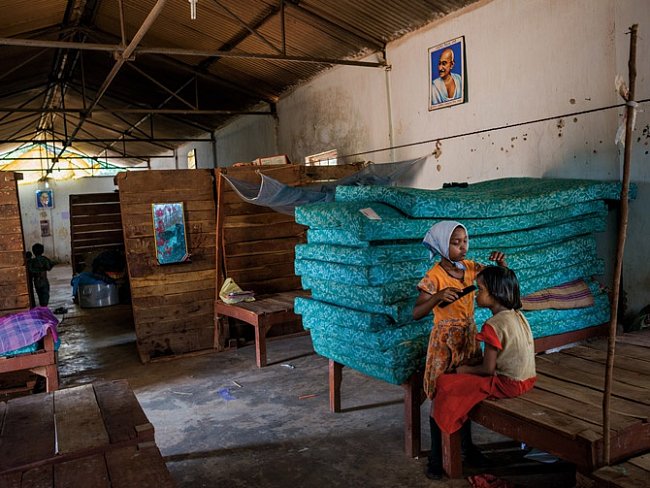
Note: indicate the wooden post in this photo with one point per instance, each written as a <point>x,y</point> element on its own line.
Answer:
<point>620,245</point>
<point>335,377</point>
<point>220,323</point>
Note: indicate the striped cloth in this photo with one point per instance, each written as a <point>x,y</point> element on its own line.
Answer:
<point>574,294</point>
<point>24,328</point>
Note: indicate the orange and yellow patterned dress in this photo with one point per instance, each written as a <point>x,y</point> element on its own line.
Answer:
<point>452,338</point>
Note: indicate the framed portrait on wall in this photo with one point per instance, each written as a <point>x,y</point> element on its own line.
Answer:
<point>447,83</point>
<point>169,233</point>
<point>44,199</point>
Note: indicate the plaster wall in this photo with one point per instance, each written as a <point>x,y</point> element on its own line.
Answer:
<point>534,71</point>
<point>246,139</point>
<point>57,245</point>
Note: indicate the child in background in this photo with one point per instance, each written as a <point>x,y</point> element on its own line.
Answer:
<point>452,339</point>
<point>38,266</point>
<point>508,367</point>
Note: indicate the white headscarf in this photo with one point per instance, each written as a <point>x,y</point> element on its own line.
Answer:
<point>437,238</point>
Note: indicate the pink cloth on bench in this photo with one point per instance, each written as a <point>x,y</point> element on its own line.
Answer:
<point>25,328</point>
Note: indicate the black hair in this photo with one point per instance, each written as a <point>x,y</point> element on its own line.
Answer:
<point>502,284</point>
<point>38,249</point>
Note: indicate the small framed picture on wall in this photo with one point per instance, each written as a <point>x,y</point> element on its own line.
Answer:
<point>447,83</point>
<point>44,199</point>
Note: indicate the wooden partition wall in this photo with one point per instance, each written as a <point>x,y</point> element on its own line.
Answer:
<point>95,226</point>
<point>14,291</point>
<point>255,243</point>
<point>173,304</point>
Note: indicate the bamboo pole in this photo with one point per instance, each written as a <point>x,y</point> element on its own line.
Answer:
<point>620,245</point>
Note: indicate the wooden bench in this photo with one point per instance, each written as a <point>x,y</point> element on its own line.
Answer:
<point>413,393</point>
<point>265,312</point>
<point>91,432</point>
<point>255,247</point>
<point>562,415</point>
<point>633,473</point>
<point>41,362</point>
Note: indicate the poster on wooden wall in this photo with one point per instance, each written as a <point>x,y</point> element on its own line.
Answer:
<point>169,233</point>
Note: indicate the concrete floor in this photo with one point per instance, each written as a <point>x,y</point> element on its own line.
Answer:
<point>221,422</point>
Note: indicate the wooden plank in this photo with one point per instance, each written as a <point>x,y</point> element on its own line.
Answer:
<point>149,302</point>
<point>79,423</point>
<point>259,246</point>
<point>11,242</point>
<point>589,396</point>
<point>173,288</point>
<point>91,469</point>
<point>13,302</point>
<point>642,462</point>
<point>578,409</point>
<point>145,314</point>
<point>173,279</point>
<point>270,271</point>
<point>600,357</point>
<point>141,467</point>
<point>171,195</point>
<point>39,477</point>
<point>94,198</point>
<point>622,349</point>
<point>263,232</point>
<point>261,217</point>
<point>92,210</point>
<point>623,475</point>
<point>30,417</point>
<point>11,258</point>
<point>11,480</point>
<point>147,328</point>
<point>637,338</point>
<point>626,383</point>
<point>123,416</point>
<point>10,226</point>
<point>143,266</point>
<point>97,226</point>
<point>17,273</point>
<point>275,285</point>
<point>134,181</point>
<point>260,259</point>
<point>91,219</point>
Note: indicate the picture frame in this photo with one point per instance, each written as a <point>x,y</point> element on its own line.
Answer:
<point>447,81</point>
<point>44,199</point>
<point>169,233</point>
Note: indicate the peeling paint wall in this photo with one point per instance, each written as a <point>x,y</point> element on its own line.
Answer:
<point>525,61</point>
<point>57,245</point>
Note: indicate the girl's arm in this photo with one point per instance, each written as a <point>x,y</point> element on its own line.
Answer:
<point>426,301</point>
<point>487,367</point>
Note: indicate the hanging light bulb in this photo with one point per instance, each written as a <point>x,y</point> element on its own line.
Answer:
<point>193,8</point>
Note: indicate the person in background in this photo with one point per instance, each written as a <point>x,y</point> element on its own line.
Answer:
<point>508,366</point>
<point>452,340</point>
<point>38,266</point>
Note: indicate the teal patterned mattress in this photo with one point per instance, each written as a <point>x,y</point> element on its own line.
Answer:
<point>395,365</point>
<point>346,216</point>
<point>487,199</point>
<point>377,341</point>
<point>560,230</point>
<point>353,318</point>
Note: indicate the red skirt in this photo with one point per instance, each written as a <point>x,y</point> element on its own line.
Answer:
<point>456,395</point>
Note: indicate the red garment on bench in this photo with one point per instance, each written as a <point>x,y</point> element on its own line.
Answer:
<point>457,394</point>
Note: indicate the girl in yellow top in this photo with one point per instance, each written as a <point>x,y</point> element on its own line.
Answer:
<point>452,339</point>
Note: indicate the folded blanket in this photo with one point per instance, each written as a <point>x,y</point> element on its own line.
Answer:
<point>575,294</point>
<point>25,328</point>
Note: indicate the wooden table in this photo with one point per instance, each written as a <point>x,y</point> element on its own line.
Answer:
<point>96,431</point>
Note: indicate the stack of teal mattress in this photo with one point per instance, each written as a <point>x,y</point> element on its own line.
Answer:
<point>364,258</point>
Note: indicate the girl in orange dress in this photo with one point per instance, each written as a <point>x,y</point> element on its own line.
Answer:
<point>452,338</point>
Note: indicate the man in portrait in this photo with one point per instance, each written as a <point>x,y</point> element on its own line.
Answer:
<point>448,85</point>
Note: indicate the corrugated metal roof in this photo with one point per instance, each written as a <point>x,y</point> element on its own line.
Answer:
<point>42,80</point>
